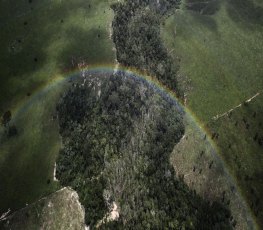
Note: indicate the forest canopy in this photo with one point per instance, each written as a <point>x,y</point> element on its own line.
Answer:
<point>118,133</point>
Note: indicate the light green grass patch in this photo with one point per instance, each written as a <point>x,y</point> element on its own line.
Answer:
<point>221,58</point>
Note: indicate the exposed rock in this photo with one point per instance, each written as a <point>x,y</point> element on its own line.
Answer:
<point>60,210</point>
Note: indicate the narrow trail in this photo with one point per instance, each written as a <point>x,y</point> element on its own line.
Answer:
<point>218,116</point>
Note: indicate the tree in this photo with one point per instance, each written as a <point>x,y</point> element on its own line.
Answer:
<point>6,118</point>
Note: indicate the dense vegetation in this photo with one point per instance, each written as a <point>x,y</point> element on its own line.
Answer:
<point>117,135</point>
<point>136,34</point>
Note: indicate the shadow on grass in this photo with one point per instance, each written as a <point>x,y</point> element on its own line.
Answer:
<point>203,7</point>
<point>207,21</point>
<point>202,12</point>
<point>25,172</point>
<point>26,36</point>
<point>245,10</point>
<point>87,46</point>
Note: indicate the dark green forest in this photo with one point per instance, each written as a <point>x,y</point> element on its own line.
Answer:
<point>118,133</point>
<point>136,34</point>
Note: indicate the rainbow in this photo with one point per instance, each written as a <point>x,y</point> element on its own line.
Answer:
<point>61,78</point>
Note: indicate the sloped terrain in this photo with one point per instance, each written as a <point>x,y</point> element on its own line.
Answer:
<point>60,210</point>
<point>220,70</point>
<point>41,43</point>
<point>118,133</point>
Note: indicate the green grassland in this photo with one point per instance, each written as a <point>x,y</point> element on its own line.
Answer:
<point>27,160</point>
<point>195,159</point>
<point>40,42</point>
<point>221,59</point>
<point>45,37</point>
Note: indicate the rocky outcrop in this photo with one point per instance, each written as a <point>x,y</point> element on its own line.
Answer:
<point>60,210</point>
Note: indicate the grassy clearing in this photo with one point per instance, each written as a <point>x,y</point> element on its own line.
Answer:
<point>50,38</point>
<point>27,160</point>
<point>42,40</point>
<point>221,58</point>
<point>197,161</point>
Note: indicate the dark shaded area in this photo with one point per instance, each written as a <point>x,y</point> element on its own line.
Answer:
<point>245,10</point>
<point>83,46</point>
<point>6,118</point>
<point>204,7</point>
<point>12,131</point>
<point>27,34</point>
<point>206,20</point>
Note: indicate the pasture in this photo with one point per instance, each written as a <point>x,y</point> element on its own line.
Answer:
<point>221,59</point>
<point>42,41</point>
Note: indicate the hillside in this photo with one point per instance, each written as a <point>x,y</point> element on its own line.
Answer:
<point>148,113</point>
<point>60,210</point>
<point>127,163</point>
<point>219,45</point>
<point>42,42</point>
